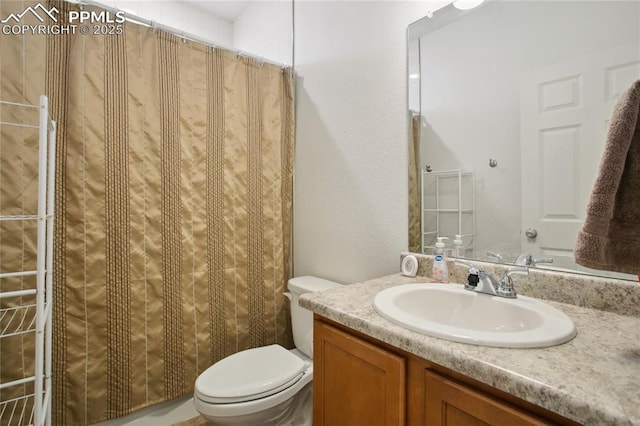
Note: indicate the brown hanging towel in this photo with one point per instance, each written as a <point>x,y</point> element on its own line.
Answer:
<point>610,237</point>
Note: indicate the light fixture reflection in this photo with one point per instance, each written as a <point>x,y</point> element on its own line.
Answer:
<point>466,4</point>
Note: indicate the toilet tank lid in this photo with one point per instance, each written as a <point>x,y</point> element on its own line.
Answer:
<point>309,284</point>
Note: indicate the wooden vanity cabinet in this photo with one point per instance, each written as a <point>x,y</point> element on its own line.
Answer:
<point>447,402</point>
<point>361,381</point>
<point>354,381</point>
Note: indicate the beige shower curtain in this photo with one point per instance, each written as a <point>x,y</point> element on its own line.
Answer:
<point>173,224</point>
<point>415,182</point>
<point>21,81</point>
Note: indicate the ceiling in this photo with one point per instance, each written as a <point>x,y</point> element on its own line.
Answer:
<point>225,9</point>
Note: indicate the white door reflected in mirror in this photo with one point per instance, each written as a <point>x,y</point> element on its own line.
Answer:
<point>530,85</point>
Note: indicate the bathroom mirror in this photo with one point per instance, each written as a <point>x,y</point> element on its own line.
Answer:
<point>509,105</point>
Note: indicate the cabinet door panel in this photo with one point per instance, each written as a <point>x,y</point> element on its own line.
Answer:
<point>452,404</point>
<point>355,382</point>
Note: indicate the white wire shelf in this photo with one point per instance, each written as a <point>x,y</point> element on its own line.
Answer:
<point>28,126</point>
<point>435,232</point>
<point>17,411</point>
<point>14,124</point>
<point>17,382</point>
<point>30,317</point>
<point>19,217</point>
<point>17,320</point>
<point>446,173</point>
<point>13,275</point>
<point>18,104</point>
<point>448,210</point>
<point>442,203</point>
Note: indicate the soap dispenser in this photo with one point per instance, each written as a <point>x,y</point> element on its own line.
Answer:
<point>458,249</point>
<point>440,272</point>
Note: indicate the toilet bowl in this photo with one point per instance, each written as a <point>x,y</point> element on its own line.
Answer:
<point>269,385</point>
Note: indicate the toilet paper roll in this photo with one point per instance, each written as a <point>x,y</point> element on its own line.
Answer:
<point>409,266</point>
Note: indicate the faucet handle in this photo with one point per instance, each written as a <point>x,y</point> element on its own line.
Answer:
<point>517,270</point>
<point>474,274</point>
<point>465,263</point>
<point>542,260</point>
<point>506,289</point>
<point>495,255</point>
<point>473,269</point>
<point>525,259</point>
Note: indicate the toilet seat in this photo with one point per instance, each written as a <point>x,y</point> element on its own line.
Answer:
<point>219,413</point>
<point>242,377</point>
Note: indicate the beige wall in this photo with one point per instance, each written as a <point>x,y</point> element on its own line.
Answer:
<point>350,208</point>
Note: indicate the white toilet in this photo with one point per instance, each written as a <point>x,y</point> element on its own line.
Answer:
<point>269,385</point>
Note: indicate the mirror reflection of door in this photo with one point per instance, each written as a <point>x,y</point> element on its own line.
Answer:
<point>564,110</point>
<point>484,73</point>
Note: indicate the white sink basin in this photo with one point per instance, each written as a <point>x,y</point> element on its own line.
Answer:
<point>450,312</point>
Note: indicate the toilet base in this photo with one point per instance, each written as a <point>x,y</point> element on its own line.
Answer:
<point>297,411</point>
<point>300,412</point>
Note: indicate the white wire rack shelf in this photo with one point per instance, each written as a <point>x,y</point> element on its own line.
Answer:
<point>18,411</point>
<point>19,217</point>
<point>463,208</point>
<point>17,320</point>
<point>19,315</point>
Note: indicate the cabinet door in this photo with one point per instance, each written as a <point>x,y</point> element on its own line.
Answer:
<point>450,403</point>
<point>355,382</point>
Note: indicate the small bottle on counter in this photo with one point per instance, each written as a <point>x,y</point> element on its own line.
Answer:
<point>440,272</point>
<point>458,249</point>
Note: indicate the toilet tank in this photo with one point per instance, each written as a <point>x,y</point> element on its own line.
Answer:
<point>301,318</point>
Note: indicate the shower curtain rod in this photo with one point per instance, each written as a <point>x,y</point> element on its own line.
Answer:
<point>184,35</point>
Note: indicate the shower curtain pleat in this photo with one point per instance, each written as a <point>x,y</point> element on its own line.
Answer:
<point>173,213</point>
<point>57,85</point>
<point>415,183</point>
<point>255,223</point>
<point>215,147</point>
<point>117,229</point>
<point>171,207</point>
<point>286,169</point>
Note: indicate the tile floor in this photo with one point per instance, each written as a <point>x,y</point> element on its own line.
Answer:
<point>165,414</point>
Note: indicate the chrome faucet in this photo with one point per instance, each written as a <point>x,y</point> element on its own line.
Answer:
<point>526,259</point>
<point>495,255</point>
<point>483,282</point>
<point>506,288</point>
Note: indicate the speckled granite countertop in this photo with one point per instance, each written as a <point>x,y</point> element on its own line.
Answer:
<point>594,379</point>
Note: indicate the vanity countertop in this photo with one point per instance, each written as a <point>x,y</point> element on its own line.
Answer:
<point>593,379</point>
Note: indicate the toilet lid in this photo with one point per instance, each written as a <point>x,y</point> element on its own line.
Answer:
<point>250,374</point>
